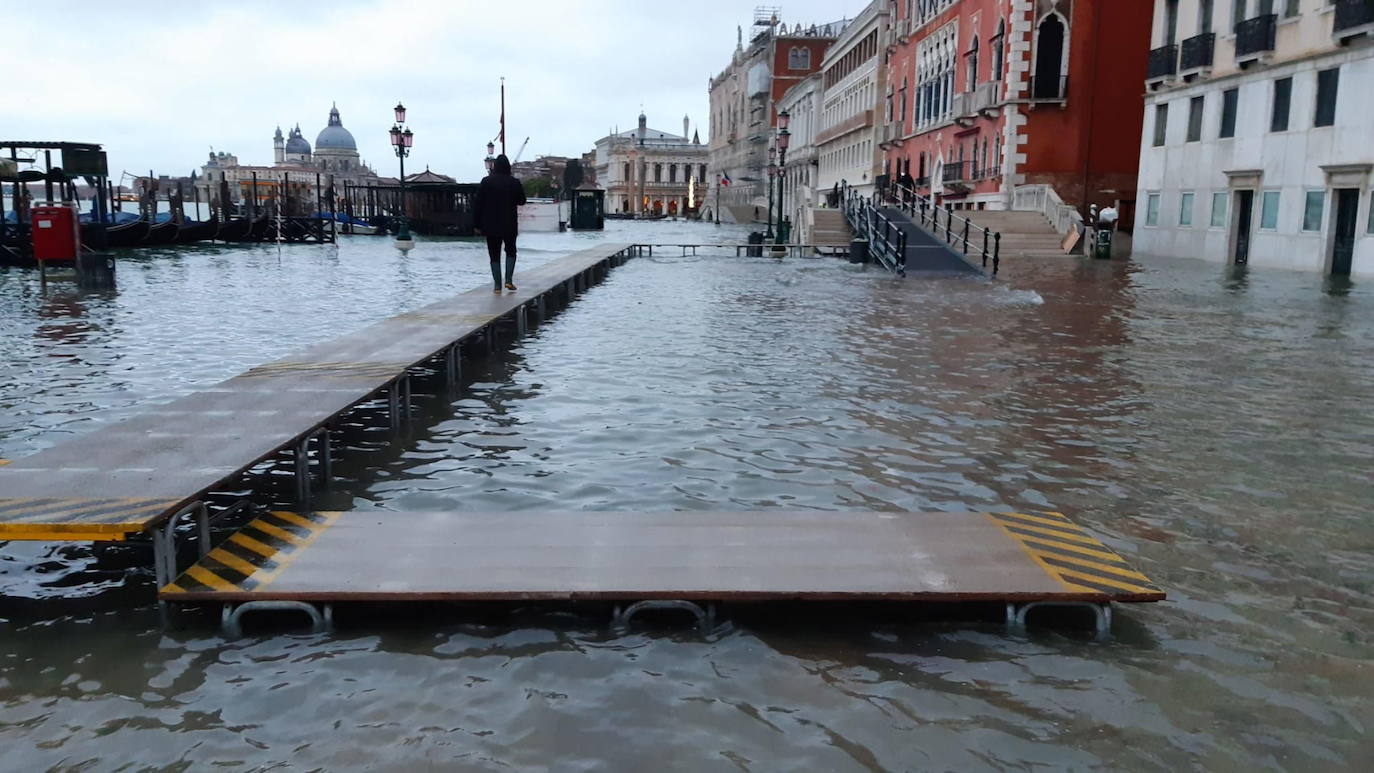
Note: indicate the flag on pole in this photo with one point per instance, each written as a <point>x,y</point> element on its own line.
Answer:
<point>725,179</point>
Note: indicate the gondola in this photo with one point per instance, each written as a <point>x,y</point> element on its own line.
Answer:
<point>235,229</point>
<point>260,228</point>
<point>161,233</point>
<point>196,231</point>
<point>126,234</point>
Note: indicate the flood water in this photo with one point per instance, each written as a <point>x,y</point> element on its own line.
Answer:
<point>1213,426</point>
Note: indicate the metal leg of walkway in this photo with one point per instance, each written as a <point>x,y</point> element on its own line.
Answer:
<point>398,402</point>
<point>165,567</point>
<point>1102,615</point>
<point>231,616</point>
<point>520,322</point>
<point>706,617</point>
<point>540,308</point>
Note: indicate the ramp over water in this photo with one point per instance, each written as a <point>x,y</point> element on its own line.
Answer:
<point>637,556</point>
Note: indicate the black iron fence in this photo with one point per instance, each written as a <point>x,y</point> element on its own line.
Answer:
<point>957,231</point>
<point>1351,14</point>
<point>1256,36</point>
<point>954,172</point>
<point>1163,62</point>
<point>1197,51</point>
<point>886,240</point>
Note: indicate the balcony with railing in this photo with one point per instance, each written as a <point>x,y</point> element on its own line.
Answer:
<point>1352,18</point>
<point>953,172</point>
<point>1196,53</point>
<point>1162,64</point>
<point>988,96</point>
<point>1255,37</point>
<point>961,108</point>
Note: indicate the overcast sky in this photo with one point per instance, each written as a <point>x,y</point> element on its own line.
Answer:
<point>159,83</point>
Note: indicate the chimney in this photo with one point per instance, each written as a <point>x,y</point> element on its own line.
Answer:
<point>684,127</point>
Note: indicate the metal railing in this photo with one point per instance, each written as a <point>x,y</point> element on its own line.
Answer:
<point>1256,36</point>
<point>1351,14</point>
<point>959,232</point>
<point>1042,198</point>
<point>886,240</point>
<point>1163,62</point>
<point>1197,52</point>
<point>954,172</point>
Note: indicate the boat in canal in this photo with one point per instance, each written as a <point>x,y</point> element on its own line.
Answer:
<point>235,229</point>
<point>192,231</point>
<point>161,232</point>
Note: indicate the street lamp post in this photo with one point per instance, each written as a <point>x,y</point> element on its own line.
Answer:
<point>772,175</point>
<point>784,139</point>
<point>491,159</point>
<point>401,140</point>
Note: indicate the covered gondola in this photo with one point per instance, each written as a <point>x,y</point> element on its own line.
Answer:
<point>128,234</point>
<point>235,229</point>
<point>164,232</point>
<point>197,231</point>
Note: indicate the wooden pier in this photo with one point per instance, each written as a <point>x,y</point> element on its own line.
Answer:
<point>152,474</point>
<point>148,472</point>
<point>646,559</point>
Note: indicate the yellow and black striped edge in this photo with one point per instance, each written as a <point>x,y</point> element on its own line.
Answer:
<point>253,557</point>
<point>344,369</point>
<point>78,519</point>
<point>1075,558</point>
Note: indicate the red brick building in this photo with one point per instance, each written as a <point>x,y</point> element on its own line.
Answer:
<point>985,96</point>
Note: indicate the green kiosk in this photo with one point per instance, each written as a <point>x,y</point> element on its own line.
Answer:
<point>588,209</point>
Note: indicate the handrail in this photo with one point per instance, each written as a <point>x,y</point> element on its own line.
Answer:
<point>886,240</point>
<point>925,212</point>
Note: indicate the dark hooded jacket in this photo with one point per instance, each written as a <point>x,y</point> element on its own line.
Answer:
<point>497,197</point>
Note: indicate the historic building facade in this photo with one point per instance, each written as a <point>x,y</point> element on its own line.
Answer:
<point>743,106</point>
<point>853,77</point>
<point>1257,144</point>
<point>986,96</point>
<point>335,158</point>
<point>648,171</point>
<point>799,192</point>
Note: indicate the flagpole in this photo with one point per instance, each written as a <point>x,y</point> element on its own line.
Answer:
<point>503,116</point>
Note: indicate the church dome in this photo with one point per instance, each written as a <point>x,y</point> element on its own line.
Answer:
<point>335,136</point>
<point>296,144</point>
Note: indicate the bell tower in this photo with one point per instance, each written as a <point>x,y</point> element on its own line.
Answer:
<point>278,147</point>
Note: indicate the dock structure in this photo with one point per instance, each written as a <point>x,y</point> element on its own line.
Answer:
<point>153,475</point>
<point>688,560</point>
<point>147,474</point>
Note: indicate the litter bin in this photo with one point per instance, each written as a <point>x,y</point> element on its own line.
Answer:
<point>753,251</point>
<point>1103,248</point>
<point>858,250</point>
<point>94,269</point>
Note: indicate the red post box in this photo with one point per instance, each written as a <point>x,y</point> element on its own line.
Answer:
<point>56,233</point>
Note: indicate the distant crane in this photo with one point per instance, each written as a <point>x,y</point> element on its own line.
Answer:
<point>521,151</point>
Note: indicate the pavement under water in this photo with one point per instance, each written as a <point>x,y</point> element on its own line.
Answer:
<point>1210,424</point>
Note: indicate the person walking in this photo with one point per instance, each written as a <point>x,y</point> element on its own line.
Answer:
<point>494,215</point>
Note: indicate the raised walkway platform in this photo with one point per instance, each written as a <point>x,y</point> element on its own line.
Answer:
<point>132,476</point>
<point>1020,559</point>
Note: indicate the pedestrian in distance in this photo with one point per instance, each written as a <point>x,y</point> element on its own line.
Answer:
<point>495,214</point>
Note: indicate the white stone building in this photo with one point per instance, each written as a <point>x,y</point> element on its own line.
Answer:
<point>650,171</point>
<point>803,105</point>
<point>1259,139</point>
<point>853,79</point>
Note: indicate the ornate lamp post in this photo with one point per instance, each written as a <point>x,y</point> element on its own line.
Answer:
<point>772,176</point>
<point>401,140</point>
<point>784,139</point>
<point>491,159</point>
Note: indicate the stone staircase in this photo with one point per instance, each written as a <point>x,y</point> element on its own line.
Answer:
<point>829,231</point>
<point>1024,234</point>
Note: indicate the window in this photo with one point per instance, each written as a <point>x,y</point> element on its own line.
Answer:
<point>1204,16</point>
<point>1195,119</point>
<point>972,63</point>
<point>1161,124</point>
<point>1229,98</point>
<point>1327,80</point>
<point>1312,210</point>
<point>1185,209</point>
<point>1219,209</point>
<point>997,50</point>
<point>1238,11</point>
<point>1370,228</point>
<point>1152,209</point>
<point>1269,211</point>
<point>1170,22</point>
<point>799,59</point>
<point>1283,97</point>
<point>1290,8</point>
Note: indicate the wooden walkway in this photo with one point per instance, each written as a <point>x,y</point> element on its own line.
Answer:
<point>633,557</point>
<point>128,477</point>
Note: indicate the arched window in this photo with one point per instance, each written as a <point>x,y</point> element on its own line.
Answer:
<point>1049,58</point>
<point>658,173</point>
<point>998,50</point>
<point>672,173</point>
<point>972,82</point>
<point>627,171</point>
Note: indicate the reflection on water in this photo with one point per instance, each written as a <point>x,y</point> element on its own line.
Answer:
<point>1210,424</point>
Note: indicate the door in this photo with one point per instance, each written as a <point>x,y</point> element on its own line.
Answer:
<point>1343,246</point>
<point>1245,201</point>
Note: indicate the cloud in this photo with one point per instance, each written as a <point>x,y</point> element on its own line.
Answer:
<point>160,84</point>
